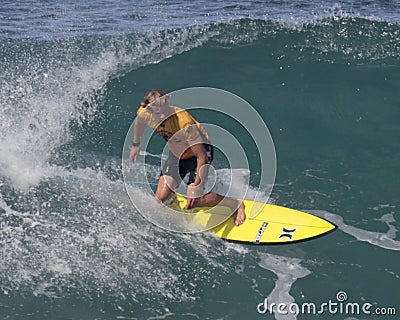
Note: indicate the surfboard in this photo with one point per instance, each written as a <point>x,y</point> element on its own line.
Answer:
<point>264,224</point>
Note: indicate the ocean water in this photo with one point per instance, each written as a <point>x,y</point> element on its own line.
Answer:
<point>323,75</point>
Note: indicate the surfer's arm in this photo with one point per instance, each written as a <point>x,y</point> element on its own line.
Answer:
<point>138,129</point>
<point>195,189</point>
<point>200,153</point>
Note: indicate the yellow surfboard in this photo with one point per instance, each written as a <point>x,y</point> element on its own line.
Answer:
<point>264,224</point>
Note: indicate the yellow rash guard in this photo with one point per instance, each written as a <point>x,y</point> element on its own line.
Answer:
<point>179,129</point>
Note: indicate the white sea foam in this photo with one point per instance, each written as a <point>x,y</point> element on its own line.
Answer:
<point>65,84</point>
<point>382,240</point>
<point>87,235</point>
<point>233,182</point>
<point>288,270</point>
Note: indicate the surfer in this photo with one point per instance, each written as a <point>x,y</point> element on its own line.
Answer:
<point>190,151</point>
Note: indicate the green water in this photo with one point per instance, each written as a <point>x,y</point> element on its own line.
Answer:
<point>74,247</point>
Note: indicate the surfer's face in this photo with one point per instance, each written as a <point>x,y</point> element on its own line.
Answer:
<point>159,107</point>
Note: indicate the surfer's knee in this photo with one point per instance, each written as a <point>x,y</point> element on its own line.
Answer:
<point>163,194</point>
<point>161,197</point>
<point>166,185</point>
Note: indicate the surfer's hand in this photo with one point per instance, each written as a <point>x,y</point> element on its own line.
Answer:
<point>190,203</point>
<point>192,194</point>
<point>134,153</point>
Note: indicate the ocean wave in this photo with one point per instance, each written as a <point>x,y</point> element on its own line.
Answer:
<point>82,236</point>
<point>353,38</point>
<point>53,91</point>
<point>50,86</point>
<point>67,103</point>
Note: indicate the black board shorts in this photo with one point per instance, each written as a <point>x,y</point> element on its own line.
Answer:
<point>178,168</point>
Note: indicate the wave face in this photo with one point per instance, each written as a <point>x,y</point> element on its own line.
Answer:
<point>326,83</point>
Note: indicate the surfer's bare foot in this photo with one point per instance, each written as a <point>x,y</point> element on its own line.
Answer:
<point>239,215</point>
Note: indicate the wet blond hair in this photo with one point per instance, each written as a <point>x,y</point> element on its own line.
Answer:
<point>151,96</point>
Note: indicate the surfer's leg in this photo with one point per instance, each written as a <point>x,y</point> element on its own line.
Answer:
<point>212,199</point>
<point>169,178</point>
<point>166,185</point>
<point>239,214</point>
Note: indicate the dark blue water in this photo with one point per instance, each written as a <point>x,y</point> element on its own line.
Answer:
<point>323,75</point>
